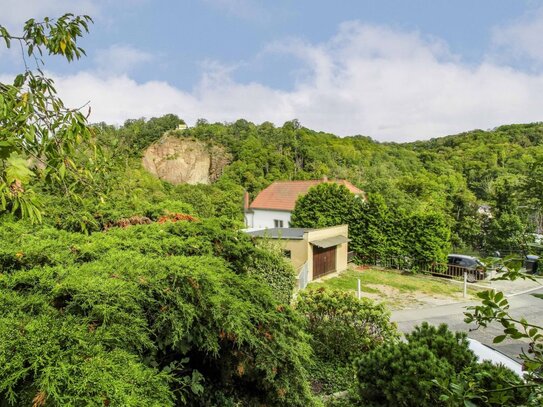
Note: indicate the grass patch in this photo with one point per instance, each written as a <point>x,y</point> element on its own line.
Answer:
<point>402,283</point>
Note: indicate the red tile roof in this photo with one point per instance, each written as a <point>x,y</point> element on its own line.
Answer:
<point>282,195</point>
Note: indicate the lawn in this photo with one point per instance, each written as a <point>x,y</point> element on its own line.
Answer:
<point>396,289</point>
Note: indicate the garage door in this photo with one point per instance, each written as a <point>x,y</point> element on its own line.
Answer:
<point>324,261</point>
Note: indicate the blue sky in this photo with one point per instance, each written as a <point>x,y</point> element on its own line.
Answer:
<point>393,70</point>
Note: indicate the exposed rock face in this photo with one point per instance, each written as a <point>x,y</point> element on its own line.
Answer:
<point>185,161</point>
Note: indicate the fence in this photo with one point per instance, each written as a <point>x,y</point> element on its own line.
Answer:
<point>302,277</point>
<point>408,264</point>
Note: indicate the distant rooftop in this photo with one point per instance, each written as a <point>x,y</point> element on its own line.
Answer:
<point>282,195</point>
<point>281,233</point>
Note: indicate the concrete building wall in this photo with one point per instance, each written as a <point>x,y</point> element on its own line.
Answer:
<point>298,252</point>
<point>248,219</point>
<point>341,250</point>
<point>301,250</point>
<point>263,218</point>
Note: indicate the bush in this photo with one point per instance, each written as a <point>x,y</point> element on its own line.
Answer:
<point>343,326</point>
<point>329,377</point>
<point>274,270</point>
<point>434,367</point>
<point>27,246</point>
<point>450,346</point>
<point>148,315</point>
<point>491,379</point>
<point>400,375</point>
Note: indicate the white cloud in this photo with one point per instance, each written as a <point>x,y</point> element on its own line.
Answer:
<point>390,85</point>
<point>520,39</point>
<point>119,59</point>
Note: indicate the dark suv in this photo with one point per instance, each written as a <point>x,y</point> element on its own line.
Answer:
<point>457,264</point>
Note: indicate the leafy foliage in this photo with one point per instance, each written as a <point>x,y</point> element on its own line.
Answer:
<point>434,368</point>
<point>495,308</point>
<point>39,136</point>
<point>400,374</point>
<point>452,347</point>
<point>485,384</point>
<point>375,230</point>
<point>343,326</point>
<point>147,315</point>
<point>326,204</point>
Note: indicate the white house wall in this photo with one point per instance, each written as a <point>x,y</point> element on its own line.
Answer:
<point>264,218</point>
<point>249,219</point>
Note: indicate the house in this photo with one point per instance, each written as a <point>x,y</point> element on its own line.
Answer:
<point>313,252</point>
<point>273,206</point>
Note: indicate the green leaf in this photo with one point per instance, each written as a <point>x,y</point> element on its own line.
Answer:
<point>62,170</point>
<point>19,80</point>
<point>17,169</point>
<point>499,338</point>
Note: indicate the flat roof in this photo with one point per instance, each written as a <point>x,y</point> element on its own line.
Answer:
<point>330,241</point>
<point>281,233</point>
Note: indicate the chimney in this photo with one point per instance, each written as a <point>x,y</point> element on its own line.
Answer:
<point>245,201</point>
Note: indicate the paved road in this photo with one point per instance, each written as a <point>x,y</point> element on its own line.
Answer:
<point>523,305</point>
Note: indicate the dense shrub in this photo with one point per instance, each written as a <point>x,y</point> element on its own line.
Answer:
<point>146,315</point>
<point>343,326</point>
<point>330,376</point>
<point>26,246</point>
<point>491,379</point>
<point>273,270</point>
<point>450,346</point>
<point>401,375</point>
<point>435,367</point>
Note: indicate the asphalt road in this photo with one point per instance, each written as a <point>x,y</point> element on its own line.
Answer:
<point>524,305</point>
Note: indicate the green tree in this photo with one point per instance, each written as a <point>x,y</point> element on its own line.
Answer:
<point>368,227</point>
<point>450,346</point>
<point>400,375</point>
<point>39,135</point>
<point>136,135</point>
<point>326,204</point>
<point>434,367</point>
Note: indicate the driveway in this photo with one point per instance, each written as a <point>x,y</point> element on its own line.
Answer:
<point>522,304</point>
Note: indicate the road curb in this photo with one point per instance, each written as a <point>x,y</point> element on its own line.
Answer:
<point>524,292</point>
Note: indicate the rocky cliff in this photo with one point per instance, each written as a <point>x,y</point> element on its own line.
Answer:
<point>185,161</point>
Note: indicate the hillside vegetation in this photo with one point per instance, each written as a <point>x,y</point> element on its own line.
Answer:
<point>451,176</point>
<point>147,283</point>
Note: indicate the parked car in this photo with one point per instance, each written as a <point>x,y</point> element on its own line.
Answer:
<point>457,264</point>
<point>485,352</point>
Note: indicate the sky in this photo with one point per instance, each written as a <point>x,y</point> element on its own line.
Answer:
<point>394,70</point>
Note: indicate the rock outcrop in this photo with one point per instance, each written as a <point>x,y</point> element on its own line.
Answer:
<point>185,161</point>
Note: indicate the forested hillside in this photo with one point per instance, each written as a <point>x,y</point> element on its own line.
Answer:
<point>452,176</point>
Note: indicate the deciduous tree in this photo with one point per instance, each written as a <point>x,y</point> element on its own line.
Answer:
<point>39,135</point>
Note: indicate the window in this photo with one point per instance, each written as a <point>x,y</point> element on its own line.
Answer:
<point>277,223</point>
